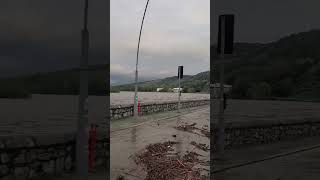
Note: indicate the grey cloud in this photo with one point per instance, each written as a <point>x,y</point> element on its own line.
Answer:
<point>267,20</point>
<point>175,33</point>
<point>46,35</point>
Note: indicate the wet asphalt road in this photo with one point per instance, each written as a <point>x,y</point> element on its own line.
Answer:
<point>126,141</point>
<point>303,163</point>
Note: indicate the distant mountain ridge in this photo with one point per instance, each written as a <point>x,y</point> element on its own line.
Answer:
<point>187,82</point>
<point>58,82</point>
<point>192,83</point>
<point>289,67</point>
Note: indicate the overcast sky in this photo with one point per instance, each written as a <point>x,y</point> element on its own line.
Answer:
<point>176,32</point>
<point>268,20</point>
<point>42,35</point>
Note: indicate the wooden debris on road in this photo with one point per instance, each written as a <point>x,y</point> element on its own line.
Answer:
<point>201,146</point>
<point>160,166</point>
<point>187,127</point>
<point>205,132</point>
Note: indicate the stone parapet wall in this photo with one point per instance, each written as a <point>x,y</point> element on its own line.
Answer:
<point>30,157</point>
<point>118,112</point>
<point>264,132</point>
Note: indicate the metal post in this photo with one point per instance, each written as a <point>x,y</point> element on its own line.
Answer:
<point>179,94</point>
<point>212,124</point>
<point>135,108</point>
<point>221,139</point>
<point>82,132</point>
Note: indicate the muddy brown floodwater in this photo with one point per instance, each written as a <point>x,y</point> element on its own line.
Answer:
<point>56,114</point>
<point>255,110</point>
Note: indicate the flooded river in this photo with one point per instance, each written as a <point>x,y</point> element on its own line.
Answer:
<point>126,97</point>
<point>43,114</point>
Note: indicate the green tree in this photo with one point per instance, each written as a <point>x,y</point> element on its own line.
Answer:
<point>165,89</point>
<point>191,90</point>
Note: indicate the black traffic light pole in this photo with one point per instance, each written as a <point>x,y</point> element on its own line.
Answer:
<point>180,76</point>
<point>225,46</point>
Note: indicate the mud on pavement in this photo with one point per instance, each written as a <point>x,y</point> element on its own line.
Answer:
<point>176,148</point>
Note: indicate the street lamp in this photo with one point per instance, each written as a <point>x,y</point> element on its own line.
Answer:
<point>82,133</point>
<point>135,108</point>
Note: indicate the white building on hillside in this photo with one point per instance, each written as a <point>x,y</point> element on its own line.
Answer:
<point>176,89</point>
<point>159,89</point>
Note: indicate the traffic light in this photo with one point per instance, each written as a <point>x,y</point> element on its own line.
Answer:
<point>180,72</point>
<point>226,28</point>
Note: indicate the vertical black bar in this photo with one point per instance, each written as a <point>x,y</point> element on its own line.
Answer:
<point>180,72</point>
<point>212,49</point>
<point>108,92</point>
<point>224,46</point>
<point>82,136</point>
<point>228,33</point>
